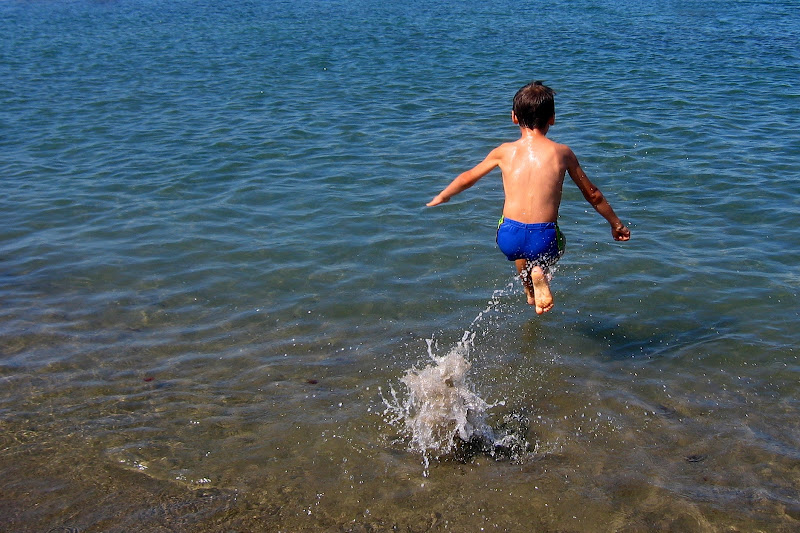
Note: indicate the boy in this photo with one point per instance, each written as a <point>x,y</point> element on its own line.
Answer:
<point>533,170</point>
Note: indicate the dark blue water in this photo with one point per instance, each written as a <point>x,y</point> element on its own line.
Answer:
<point>215,254</point>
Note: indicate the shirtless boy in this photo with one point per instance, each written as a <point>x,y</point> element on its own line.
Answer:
<point>533,170</point>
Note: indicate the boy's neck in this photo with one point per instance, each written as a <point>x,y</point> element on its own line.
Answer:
<point>534,132</point>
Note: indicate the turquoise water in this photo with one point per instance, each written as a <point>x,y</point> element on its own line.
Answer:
<point>215,261</point>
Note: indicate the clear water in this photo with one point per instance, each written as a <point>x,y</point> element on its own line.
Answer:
<point>215,262</point>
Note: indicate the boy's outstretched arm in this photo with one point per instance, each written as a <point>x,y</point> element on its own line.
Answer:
<point>595,197</point>
<point>467,179</point>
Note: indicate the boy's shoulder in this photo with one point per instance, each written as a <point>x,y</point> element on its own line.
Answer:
<point>561,149</point>
<point>508,149</point>
<point>503,150</point>
<point>506,146</point>
<point>543,142</point>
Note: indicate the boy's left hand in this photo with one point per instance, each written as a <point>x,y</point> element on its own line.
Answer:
<point>620,233</point>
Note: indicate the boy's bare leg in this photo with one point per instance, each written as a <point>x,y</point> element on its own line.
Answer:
<point>537,287</point>
<point>525,277</point>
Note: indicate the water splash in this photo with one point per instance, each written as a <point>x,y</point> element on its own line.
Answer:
<point>442,414</point>
<point>441,404</point>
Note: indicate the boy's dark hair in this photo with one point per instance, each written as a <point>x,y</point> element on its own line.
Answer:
<point>534,104</point>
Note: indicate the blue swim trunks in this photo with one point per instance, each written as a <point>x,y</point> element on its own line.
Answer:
<point>542,244</point>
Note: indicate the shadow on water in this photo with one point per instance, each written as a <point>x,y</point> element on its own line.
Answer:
<point>642,341</point>
<point>507,441</point>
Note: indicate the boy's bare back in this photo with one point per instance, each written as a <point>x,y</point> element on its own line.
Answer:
<point>533,170</point>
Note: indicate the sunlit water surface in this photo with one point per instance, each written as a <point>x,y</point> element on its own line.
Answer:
<point>219,285</point>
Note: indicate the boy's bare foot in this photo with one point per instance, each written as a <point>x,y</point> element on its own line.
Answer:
<point>543,298</point>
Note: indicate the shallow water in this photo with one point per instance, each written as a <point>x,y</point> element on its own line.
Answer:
<point>215,260</point>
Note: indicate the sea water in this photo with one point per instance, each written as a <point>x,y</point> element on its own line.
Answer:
<point>216,265</point>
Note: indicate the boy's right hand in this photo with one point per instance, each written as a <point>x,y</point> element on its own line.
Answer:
<point>438,199</point>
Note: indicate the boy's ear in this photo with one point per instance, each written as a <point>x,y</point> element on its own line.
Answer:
<point>514,118</point>
<point>552,120</point>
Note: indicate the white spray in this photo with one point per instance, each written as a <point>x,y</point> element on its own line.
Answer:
<point>441,409</point>
<point>441,403</point>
